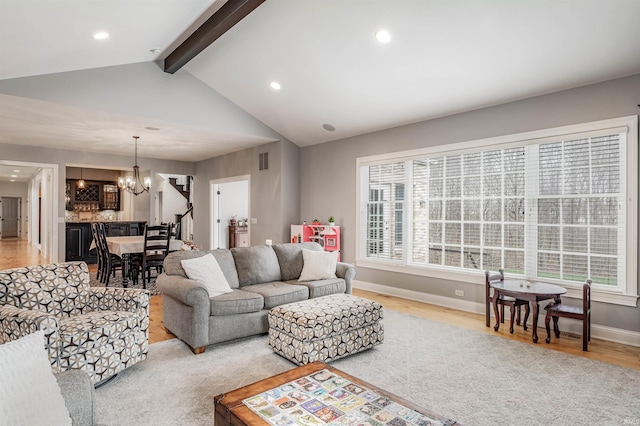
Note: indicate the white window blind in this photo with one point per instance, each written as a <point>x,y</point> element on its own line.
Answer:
<point>553,209</point>
<point>580,219</point>
<point>384,207</point>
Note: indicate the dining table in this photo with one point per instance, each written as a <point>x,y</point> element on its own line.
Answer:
<point>532,291</point>
<point>128,245</point>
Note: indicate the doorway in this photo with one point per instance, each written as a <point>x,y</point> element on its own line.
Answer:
<point>230,197</point>
<point>40,208</point>
<point>10,214</point>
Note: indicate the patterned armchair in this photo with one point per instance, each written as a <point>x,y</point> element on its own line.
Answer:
<point>99,330</point>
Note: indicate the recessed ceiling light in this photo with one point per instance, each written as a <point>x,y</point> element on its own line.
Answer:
<point>328,127</point>
<point>155,51</point>
<point>16,171</point>
<point>275,85</point>
<point>152,128</point>
<point>12,180</point>
<point>101,35</point>
<point>383,36</point>
<point>14,175</point>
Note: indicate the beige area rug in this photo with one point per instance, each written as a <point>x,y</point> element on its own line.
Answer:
<point>473,378</point>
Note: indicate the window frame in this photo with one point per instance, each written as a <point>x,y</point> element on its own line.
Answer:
<point>626,294</point>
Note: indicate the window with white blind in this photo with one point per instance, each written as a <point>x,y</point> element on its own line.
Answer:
<point>558,205</point>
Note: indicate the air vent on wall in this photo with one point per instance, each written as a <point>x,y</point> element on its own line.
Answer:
<point>263,160</point>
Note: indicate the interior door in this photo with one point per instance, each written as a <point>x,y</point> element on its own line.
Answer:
<point>10,217</point>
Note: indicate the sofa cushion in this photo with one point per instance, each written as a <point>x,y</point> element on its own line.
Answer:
<point>256,265</point>
<point>236,302</point>
<point>278,293</point>
<point>173,265</point>
<point>205,269</point>
<point>83,333</point>
<point>321,288</point>
<point>290,258</point>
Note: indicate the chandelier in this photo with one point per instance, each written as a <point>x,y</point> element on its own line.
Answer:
<point>130,183</point>
<point>81,183</point>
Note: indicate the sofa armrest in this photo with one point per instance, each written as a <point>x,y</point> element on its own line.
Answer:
<point>186,309</point>
<point>347,272</point>
<point>16,323</point>
<point>78,393</point>
<point>189,292</point>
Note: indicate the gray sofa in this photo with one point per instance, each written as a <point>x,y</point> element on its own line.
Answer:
<point>261,277</point>
<point>78,394</point>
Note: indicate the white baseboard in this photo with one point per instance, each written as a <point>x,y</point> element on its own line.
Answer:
<point>603,332</point>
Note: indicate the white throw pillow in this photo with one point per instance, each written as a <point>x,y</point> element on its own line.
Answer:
<point>29,392</point>
<point>206,270</point>
<point>318,265</point>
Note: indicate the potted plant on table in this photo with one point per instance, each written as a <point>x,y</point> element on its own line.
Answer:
<point>332,222</point>
<point>315,222</point>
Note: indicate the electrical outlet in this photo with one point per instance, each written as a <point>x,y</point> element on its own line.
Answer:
<point>460,293</point>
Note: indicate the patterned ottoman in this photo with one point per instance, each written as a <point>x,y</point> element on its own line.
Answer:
<point>325,328</point>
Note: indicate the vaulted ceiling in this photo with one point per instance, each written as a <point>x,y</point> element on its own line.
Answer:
<point>337,80</point>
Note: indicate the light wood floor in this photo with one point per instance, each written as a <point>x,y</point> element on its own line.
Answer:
<point>15,253</point>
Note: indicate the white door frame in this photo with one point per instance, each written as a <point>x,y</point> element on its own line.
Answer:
<point>214,226</point>
<point>49,177</point>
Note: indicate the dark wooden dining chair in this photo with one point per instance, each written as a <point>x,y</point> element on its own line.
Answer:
<point>108,263</point>
<point>94,236</point>
<point>156,248</point>
<point>492,277</point>
<point>582,313</point>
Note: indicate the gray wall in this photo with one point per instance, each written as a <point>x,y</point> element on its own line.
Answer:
<point>290,188</point>
<point>329,187</point>
<point>271,199</point>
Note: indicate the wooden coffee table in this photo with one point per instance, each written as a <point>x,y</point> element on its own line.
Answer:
<point>291,398</point>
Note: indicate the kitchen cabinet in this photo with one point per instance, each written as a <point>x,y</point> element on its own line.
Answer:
<point>95,195</point>
<point>110,196</point>
<point>122,229</point>
<point>78,241</point>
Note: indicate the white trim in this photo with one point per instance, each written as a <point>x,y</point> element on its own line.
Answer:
<point>477,277</point>
<point>611,334</point>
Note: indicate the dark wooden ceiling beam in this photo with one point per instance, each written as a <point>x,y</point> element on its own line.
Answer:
<point>219,23</point>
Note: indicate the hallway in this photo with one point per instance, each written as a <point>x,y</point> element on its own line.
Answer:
<point>15,253</point>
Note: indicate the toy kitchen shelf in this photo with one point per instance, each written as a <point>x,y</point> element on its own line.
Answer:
<point>327,236</point>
